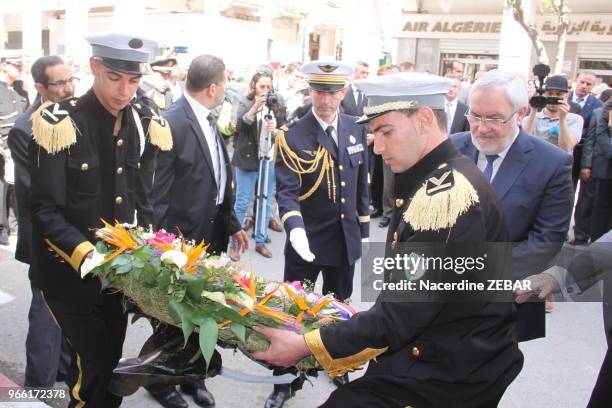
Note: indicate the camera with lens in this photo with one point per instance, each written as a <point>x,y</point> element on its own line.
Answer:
<point>271,99</point>
<point>539,101</point>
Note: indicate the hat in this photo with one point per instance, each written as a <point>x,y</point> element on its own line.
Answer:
<point>122,52</point>
<point>327,76</point>
<point>402,90</point>
<point>164,64</point>
<point>557,83</point>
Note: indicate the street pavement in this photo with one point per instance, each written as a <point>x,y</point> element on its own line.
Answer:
<point>559,370</point>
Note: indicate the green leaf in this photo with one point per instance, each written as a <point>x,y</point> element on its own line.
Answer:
<point>183,314</point>
<point>101,247</point>
<point>119,261</point>
<point>138,263</point>
<point>230,314</point>
<point>239,331</point>
<point>150,275</point>
<point>208,337</point>
<point>163,281</point>
<point>195,289</point>
<point>123,269</point>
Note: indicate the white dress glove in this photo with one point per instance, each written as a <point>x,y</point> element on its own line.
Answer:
<point>299,242</point>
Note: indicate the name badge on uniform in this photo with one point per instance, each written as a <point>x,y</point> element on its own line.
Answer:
<point>355,149</point>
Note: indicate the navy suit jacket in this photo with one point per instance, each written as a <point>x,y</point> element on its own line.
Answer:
<point>534,187</point>
<point>349,106</point>
<point>184,187</point>
<point>326,222</point>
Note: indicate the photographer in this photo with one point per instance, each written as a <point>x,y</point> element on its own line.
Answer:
<point>555,123</point>
<point>251,110</point>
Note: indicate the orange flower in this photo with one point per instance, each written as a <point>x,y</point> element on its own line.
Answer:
<point>118,237</point>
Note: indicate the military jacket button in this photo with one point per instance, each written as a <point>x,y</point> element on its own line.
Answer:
<point>84,167</point>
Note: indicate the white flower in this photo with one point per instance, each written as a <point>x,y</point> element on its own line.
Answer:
<point>172,256</point>
<point>218,297</point>
<point>90,263</point>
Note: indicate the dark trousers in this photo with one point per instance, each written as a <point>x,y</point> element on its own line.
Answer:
<point>584,209</point>
<point>601,218</point>
<point>367,392</point>
<point>95,331</point>
<point>336,279</point>
<point>47,353</point>
<point>376,179</point>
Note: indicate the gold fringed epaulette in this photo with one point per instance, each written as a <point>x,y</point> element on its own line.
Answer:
<point>437,205</point>
<point>52,126</point>
<point>159,132</point>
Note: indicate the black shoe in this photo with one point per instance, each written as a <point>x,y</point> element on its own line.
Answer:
<point>278,397</point>
<point>169,398</point>
<point>340,381</point>
<point>201,396</point>
<point>4,238</point>
<point>384,223</point>
<point>376,212</point>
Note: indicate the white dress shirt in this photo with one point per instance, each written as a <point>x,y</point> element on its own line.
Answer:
<point>482,159</point>
<point>212,140</point>
<point>324,125</point>
<point>450,108</point>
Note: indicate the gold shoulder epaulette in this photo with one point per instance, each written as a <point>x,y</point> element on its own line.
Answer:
<point>158,130</point>
<point>437,205</point>
<point>52,126</point>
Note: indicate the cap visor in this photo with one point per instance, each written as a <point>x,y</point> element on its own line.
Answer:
<point>366,118</point>
<point>126,67</point>
<point>326,87</point>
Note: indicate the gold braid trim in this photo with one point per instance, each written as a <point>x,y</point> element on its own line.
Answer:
<point>159,131</point>
<point>440,210</point>
<point>296,164</point>
<point>336,367</point>
<point>52,137</point>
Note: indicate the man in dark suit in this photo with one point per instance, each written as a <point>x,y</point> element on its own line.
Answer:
<point>192,189</point>
<point>330,218</point>
<point>47,355</point>
<point>531,177</point>
<point>354,100</point>
<point>455,110</point>
<point>581,95</point>
<point>597,166</point>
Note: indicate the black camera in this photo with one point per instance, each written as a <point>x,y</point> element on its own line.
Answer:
<point>539,101</point>
<point>271,99</point>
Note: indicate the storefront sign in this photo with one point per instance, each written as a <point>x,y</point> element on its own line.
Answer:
<point>582,27</point>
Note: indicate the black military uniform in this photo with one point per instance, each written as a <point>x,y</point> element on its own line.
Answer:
<point>11,106</point>
<point>436,353</point>
<point>83,171</point>
<point>322,186</point>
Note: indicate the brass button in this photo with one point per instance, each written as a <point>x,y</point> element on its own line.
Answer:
<point>343,184</point>
<point>341,167</point>
<point>416,352</point>
<point>84,167</point>
<point>138,165</point>
<point>120,142</point>
<point>342,216</point>
<point>343,200</point>
<point>118,200</point>
<point>399,202</point>
<point>119,170</point>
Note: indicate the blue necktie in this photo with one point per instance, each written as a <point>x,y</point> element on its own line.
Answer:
<point>488,171</point>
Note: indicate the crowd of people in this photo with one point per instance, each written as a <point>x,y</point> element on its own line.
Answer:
<point>345,147</point>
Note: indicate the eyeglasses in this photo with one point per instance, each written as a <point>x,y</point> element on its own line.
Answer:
<point>63,82</point>
<point>476,120</point>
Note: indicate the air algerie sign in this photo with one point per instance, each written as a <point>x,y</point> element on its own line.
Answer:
<point>582,27</point>
<point>456,27</point>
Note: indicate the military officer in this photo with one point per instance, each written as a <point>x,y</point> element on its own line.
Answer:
<point>91,158</point>
<point>322,185</point>
<point>424,354</point>
<point>11,106</point>
<point>322,191</point>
